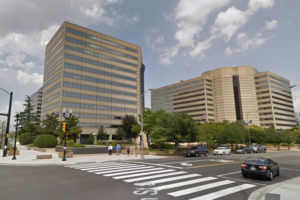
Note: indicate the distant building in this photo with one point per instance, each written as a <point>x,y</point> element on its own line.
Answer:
<point>231,93</point>
<point>36,102</point>
<point>97,76</point>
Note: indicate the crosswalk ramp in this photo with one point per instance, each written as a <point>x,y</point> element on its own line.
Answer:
<point>175,182</point>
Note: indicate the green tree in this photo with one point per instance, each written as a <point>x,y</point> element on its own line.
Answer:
<point>127,123</point>
<point>233,133</point>
<point>102,135</point>
<point>72,128</point>
<point>208,132</point>
<point>257,134</point>
<point>91,138</point>
<point>27,116</point>
<point>174,127</point>
<point>274,136</point>
<point>296,130</point>
<point>289,137</point>
<point>120,134</point>
<point>29,133</point>
<point>50,124</point>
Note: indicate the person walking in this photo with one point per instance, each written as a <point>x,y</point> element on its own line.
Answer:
<point>135,151</point>
<point>128,150</point>
<point>110,149</point>
<point>118,149</point>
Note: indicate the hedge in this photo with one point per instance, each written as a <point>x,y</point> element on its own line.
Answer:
<point>45,141</point>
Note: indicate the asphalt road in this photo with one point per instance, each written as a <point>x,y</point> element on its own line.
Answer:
<point>172,178</point>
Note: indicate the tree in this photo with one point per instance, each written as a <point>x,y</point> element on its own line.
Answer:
<point>208,132</point>
<point>72,128</point>
<point>174,127</point>
<point>233,133</point>
<point>120,134</point>
<point>51,124</point>
<point>127,123</point>
<point>274,136</point>
<point>102,135</point>
<point>27,116</point>
<point>91,138</point>
<point>257,134</point>
<point>289,137</point>
<point>296,130</point>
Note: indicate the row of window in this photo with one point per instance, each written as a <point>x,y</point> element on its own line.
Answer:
<point>50,98</point>
<point>280,80</point>
<point>96,116</point>
<point>49,48</point>
<point>293,116</point>
<point>54,55</point>
<point>94,125</point>
<point>261,77</point>
<point>58,59</point>
<point>102,40</point>
<point>189,101</point>
<point>46,77</point>
<point>56,77</point>
<point>101,64</point>
<point>181,90</point>
<point>162,102</point>
<point>279,84</point>
<point>99,107</point>
<point>97,71</point>
<point>191,106</point>
<point>274,92</point>
<point>56,51</point>
<point>100,48</point>
<point>181,98</point>
<point>285,105</point>
<point>288,125</point>
<point>177,86</point>
<point>97,55</point>
<point>54,87</point>
<point>96,80</point>
<point>54,105</point>
<point>261,82</point>
<point>281,90</point>
<point>291,111</point>
<point>98,98</point>
<point>282,99</point>
<point>97,89</point>
<point>287,120</point>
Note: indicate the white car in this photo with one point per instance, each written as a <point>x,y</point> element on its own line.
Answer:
<point>222,151</point>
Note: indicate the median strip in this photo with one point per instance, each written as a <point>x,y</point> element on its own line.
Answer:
<point>212,165</point>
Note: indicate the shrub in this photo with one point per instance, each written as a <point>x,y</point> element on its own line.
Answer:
<point>99,142</point>
<point>71,143</point>
<point>26,138</point>
<point>161,146</point>
<point>45,141</point>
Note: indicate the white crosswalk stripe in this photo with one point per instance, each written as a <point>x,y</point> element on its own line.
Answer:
<point>134,171</point>
<point>199,188</point>
<point>224,192</point>
<point>127,168</point>
<point>184,183</point>
<point>142,174</point>
<point>181,183</point>
<point>154,176</point>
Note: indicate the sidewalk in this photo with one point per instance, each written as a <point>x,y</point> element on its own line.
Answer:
<point>28,157</point>
<point>286,190</point>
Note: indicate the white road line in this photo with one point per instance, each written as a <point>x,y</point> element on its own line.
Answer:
<point>199,188</point>
<point>93,164</point>
<point>84,167</point>
<point>161,165</point>
<point>118,168</point>
<point>110,167</point>
<point>142,174</point>
<point>135,171</point>
<point>245,181</point>
<point>224,192</point>
<point>154,176</point>
<point>170,179</point>
<point>229,173</point>
<point>174,185</point>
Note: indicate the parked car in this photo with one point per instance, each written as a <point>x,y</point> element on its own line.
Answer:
<point>197,151</point>
<point>222,151</point>
<point>260,167</point>
<point>259,148</point>
<point>239,150</point>
<point>246,150</point>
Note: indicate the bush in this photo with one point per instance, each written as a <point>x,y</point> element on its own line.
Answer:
<point>26,138</point>
<point>45,141</point>
<point>71,143</point>
<point>161,146</point>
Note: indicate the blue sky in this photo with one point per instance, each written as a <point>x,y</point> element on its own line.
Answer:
<point>179,39</point>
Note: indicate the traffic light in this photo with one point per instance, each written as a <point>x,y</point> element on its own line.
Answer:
<point>64,125</point>
<point>68,136</point>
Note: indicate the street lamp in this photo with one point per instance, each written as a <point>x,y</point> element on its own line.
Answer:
<point>8,120</point>
<point>67,116</point>
<point>249,122</point>
<point>142,124</point>
<point>15,147</point>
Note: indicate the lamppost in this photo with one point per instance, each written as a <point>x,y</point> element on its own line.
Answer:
<point>15,147</point>
<point>142,124</point>
<point>8,120</point>
<point>67,116</point>
<point>248,123</point>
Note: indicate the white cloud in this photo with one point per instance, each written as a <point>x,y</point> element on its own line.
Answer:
<point>255,5</point>
<point>24,78</point>
<point>296,98</point>
<point>201,47</point>
<point>269,25</point>
<point>168,54</point>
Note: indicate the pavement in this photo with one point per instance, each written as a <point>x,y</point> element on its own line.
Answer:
<point>285,190</point>
<point>29,157</point>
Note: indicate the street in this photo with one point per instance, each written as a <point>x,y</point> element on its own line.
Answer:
<point>206,178</point>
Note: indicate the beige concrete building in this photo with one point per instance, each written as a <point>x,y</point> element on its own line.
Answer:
<point>98,76</point>
<point>231,93</point>
<point>36,102</point>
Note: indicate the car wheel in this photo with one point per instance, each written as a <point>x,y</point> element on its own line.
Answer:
<point>277,172</point>
<point>270,176</point>
<point>244,175</point>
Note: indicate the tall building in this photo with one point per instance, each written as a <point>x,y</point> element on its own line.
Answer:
<point>231,93</point>
<point>98,76</point>
<point>36,102</point>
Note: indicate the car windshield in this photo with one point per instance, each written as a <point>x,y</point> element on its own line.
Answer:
<point>256,161</point>
<point>220,148</point>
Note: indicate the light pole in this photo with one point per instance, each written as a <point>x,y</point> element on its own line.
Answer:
<point>67,116</point>
<point>248,123</point>
<point>8,120</point>
<point>15,147</point>
<point>142,124</point>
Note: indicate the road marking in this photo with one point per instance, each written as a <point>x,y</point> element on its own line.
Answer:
<point>169,179</point>
<point>142,174</point>
<point>161,165</point>
<point>229,174</point>
<point>212,165</point>
<point>199,188</point>
<point>154,176</point>
<point>186,164</point>
<point>192,161</point>
<point>105,166</point>
<point>290,169</point>
<point>241,180</point>
<point>121,169</point>
<point>111,167</point>
<point>92,165</point>
<point>224,192</point>
<point>132,172</point>
<point>184,183</point>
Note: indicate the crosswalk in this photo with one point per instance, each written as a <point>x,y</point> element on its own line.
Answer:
<point>176,182</point>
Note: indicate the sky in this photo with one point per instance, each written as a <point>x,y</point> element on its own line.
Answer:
<point>180,39</point>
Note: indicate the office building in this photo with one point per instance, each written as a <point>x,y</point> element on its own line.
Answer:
<point>98,76</point>
<point>231,93</point>
<point>36,102</point>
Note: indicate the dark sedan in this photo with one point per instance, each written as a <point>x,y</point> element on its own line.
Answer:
<point>260,167</point>
<point>244,150</point>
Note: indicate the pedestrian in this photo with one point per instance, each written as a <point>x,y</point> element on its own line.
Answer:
<point>135,151</point>
<point>128,150</point>
<point>110,149</point>
<point>118,149</point>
